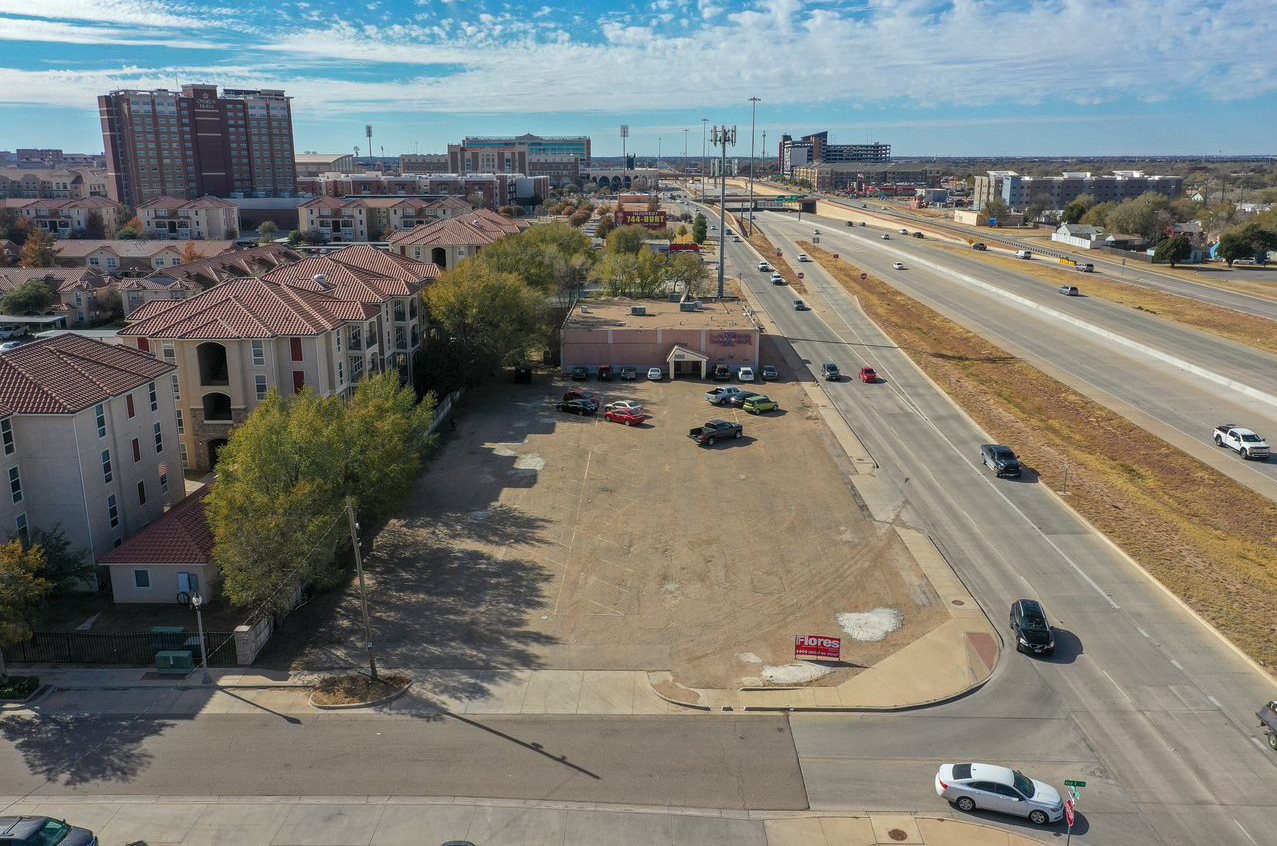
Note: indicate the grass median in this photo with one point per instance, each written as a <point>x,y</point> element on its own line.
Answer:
<point>768,250</point>
<point>1210,540</point>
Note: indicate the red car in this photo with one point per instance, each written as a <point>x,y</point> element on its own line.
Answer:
<point>628,416</point>
<point>868,374</point>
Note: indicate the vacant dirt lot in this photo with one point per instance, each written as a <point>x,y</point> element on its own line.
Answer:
<point>541,539</point>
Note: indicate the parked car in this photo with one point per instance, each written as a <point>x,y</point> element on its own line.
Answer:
<point>617,405</point>
<point>898,266</point>
<point>799,305</point>
<point>868,374</point>
<point>1068,290</point>
<point>579,406</point>
<point>777,279</point>
<point>758,403</point>
<point>575,393</point>
<point>11,330</point>
<point>745,374</point>
<point>43,831</point>
<point>764,266</point>
<point>626,415</point>
<point>716,430</point>
<point>655,374</point>
<point>10,345</point>
<point>628,374</point>
<point>580,374</point>
<point>1029,626</point>
<point>1002,789</point>
<point>605,373</point>
<point>769,372</point>
<point>1001,460</point>
<point>979,246</point>
<point>1244,442</point>
<point>726,395</point>
<point>829,372</point>
<point>803,257</point>
<point>720,373</point>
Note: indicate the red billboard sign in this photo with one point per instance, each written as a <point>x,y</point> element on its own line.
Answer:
<point>815,646</point>
<point>650,219</point>
<point>685,248</point>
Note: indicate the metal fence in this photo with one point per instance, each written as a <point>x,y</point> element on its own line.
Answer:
<point>132,649</point>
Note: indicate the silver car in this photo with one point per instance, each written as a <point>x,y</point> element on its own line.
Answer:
<point>1002,789</point>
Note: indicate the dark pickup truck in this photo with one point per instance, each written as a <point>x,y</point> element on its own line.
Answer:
<point>1268,722</point>
<point>715,430</point>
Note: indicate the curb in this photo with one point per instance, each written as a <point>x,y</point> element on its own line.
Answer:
<point>371,704</point>
<point>41,691</point>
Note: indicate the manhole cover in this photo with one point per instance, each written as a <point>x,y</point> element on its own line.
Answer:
<point>957,602</point>
<point>897,834</point>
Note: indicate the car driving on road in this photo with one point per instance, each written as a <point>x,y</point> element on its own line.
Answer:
<point>989,787</point>
<point>777,279</point>
<point>799,305</point>
<point>803,257</point>
<point>898,266</point>
<point>1068,290</point>
<point>829,372</point>
<point>1029,627</point>
<point>764,267</point>
<point>1001,460</point>
<point>885,236</point>
<point>868,374</point>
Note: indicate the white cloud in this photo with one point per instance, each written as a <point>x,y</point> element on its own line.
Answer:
<point>28,29</point>
<point>134,12</point>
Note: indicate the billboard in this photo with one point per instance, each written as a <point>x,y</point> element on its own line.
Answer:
<point>650,219</point>
<point>815,646</point>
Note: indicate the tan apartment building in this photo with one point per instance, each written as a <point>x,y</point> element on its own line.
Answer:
<point>69,218</point>
<point>88,441</point>
<point>446,242</point>
<point>55,183</point>
<point>175,218</point>
<point>131,258</point>
<point>368,218</point>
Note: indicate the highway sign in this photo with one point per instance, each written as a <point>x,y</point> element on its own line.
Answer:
<point>1068,783</point>
<point>1068,812</point>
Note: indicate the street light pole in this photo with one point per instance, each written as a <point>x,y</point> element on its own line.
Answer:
<point>196,602</point>
<point>363,593</point>
<point>704,155</point>
<point>753,112</point>
<point>724,136</point>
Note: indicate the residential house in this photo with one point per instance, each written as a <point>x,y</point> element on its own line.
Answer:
<point>69,217</point>
<point>1078,235</point>
<point>131,258</point>
<point>176,218</point>
<point>170,557</point>
<point>88,441</point>
<point>446,242</point>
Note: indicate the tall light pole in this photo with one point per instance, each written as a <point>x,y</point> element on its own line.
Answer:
<point>753,112</point>
<point>722,136</point>
<point>704,154</point>
<point>196,602</point>
<point>684,149</point>
<point>363,592</point>
<point>658,152</point>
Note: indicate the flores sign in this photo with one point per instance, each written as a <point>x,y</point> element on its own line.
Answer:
<point>650,219</point>
<point>815,646</point>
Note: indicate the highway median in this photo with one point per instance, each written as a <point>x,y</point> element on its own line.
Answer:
<point>1206,538</point>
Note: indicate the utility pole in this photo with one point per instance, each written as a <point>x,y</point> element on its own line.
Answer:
<point>684,150</point>
<point>363,593</point>
<point>658,152</point>
<point>753,112</point>
<point>723,136</point>
<point>704,155</point>
<point>625,159</point>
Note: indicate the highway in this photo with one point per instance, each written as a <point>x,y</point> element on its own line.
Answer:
<point>1142,700</point>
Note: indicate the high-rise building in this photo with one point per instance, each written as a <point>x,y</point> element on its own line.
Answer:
<point>816,148</point>
<point>195,143</point>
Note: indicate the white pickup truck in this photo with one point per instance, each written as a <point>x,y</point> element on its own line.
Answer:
<point>1246,443</point>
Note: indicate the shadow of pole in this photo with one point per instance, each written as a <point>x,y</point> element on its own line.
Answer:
<point>533,747</point>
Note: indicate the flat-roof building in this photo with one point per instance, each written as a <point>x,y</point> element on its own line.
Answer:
<point>547,145</point>
<point>1056,192</point>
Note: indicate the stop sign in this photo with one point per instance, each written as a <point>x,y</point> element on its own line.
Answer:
<point>800,275</point>
<point>1068,812</point>
<point>864,276</point>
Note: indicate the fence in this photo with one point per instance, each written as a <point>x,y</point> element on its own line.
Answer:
<point>132,649</point>
<point>442,410</point>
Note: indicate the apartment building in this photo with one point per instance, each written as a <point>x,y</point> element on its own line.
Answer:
<point>493,189</point>
<point>69,218</point>
<point>890,178</point>
<point>175,218</point>
<point>424,163</point>
<point>1056,192</point>
<point>131,258</point>
<point>235,342</point>
<point>447,242</point>
<point>368,219</point>
<point>88,441</point>
<point>194,142</point>
<point>59,183</point>
<point>46,158</point>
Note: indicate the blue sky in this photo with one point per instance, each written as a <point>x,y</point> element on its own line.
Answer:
<point>931,77</point>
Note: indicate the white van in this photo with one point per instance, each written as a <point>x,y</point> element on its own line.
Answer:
<point>1023,254</point>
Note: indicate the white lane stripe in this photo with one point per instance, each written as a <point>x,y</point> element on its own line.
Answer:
<point>1141,631</point>
<point>1215,701</point>
<point>1245,832</point>
<point>1258,742</point>
<point>1177,665</point>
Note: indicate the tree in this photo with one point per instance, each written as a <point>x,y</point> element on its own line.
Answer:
<point>1234,246</point>
<point>653,204</point>
<point>14,226</point>
<point>1097,215</point>
<point>1034,211</point>
<point>627,239</point>
<point>689,270</point>
<point>66,568</point>
<point>267,231</point>
<point>537,255</point>
<point>295,237</point>
<point>22,592</point>
<point>606,225</point>
<point>579,217</point>
<point>385,442</point>
<point>1173,249</point>
<point>94,226</point>
<point>475,200</point>
<point>132,230</point>
<point>996,209</point>
<point>700,228</point>
<point>38,250</point>
<point>682,230</point>
<point>486,316</point>
<point>31,297</point>
<point>190,253</point>
<point>110,304</point>
<point>510,211</point>
<point>1074,211</point>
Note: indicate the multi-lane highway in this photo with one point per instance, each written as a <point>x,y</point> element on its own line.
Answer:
<point>1142,701</point>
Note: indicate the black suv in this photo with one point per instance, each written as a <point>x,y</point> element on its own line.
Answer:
<point>721,373</point>
<point>1001,460</point>
<point>1032,631</point>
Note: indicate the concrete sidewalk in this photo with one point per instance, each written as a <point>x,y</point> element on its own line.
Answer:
<point>427,821</point>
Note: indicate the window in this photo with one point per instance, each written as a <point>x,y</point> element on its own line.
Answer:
<point>20,525</point>
<point>128,401</point>
<point>6,435</point>
<point>141,493</point>
<point>101,419</point>
<point>159,438</point>
<point>154,397</point>
<point>181,424</point>
<point>170,354</point>
<point>137,450</point>
<point>142,579</point>
<point>299,381</point>
<point>259,353</point>
<point>107,475</point>
<point>260,380</point>
<point>337,334</point>
<point>177,390</point>
<point>164,483</point>
<point>15,484</point>
<point>295,347</point>
<point>185,461</point>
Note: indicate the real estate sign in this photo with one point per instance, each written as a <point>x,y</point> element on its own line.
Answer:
<point>815,646</point>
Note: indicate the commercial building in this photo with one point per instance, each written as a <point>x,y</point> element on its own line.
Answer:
<point>71,217</point>
<point>560,169</point>
<point>370,218</point>
<point>887,178</point>
<point>447,242</point>
<point>55,183</point>
<point>424,163</point>
<point>537,145</point>
<point>683,339</point>
<point>313,164</point>
<point>192,143</point>
<point>1056,192</point>
<point>89,441</point>
<point>815,148</point>
<point>45,158</point>
<point>131,258</point>
<point>173,218</point>
<point>321,323</point>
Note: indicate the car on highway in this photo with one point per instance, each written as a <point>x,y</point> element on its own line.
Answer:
<point>1029,626</point>
<point>903,231</point>
<point>979,246</point>
<point>580,374</point>
<point>1084,268</point>
<point>1068,290</point>
<point>1244,442</point>
<point>745,374</point>
<point>1023,254</point>
<point>989,787</point>
<point>815,232</point>
<point>736,238</point>
<point>626,415</point>
<point>885,236</point>
<point>829,372</point>
<point>868,374</point>
<point>1001,460</point>
<point>918,235</point>
<point>799,305</point>
<point>628,374</point>
<point>769,372</point>
<point>42,831</point>
<point>898,266</point>
<point>764,267</point>
<point>654,374</point>
<point>759,403</point>
<point>777,279</point>
<point>803,257</point>
<point>578,406</point>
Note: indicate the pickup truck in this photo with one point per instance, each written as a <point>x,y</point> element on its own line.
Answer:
<point>714,430</point>
<point>1243,441</point>
<point>726,396</point>
<point>1268,722</point>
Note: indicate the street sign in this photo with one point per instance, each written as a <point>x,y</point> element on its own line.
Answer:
<point>1068,812</point>
<point>1073,791</point>
<point>800,274</point>
<point>1068,783</point>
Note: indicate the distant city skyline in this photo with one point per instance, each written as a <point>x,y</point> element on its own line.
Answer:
<point>1071,77</point>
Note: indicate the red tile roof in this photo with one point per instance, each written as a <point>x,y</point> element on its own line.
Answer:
<point>476,228</point>
<point>206,272</point>
<point>181,536</point>
<point>361,272</point>
<point>67,373</point>
<point>72,248</point>
<point>245,308</point>
<point>62,278</point>
<point>175,203</point>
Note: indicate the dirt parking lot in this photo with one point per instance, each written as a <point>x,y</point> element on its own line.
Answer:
<point>542,539</point>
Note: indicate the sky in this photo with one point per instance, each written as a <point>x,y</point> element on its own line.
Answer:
<point>930,77</point>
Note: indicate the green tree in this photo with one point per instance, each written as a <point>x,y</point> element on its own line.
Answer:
<point>682,230</point>
<point>996,209</point>
<point>538,255</point>
<point>132,230</point>
<point>66,567</point>
<point>579,217</point>
<point>38,250</point>
<point>94,226</point>
<point>295,237</point>
<point>14,226</point>
<point>1097,215</point>
<point>1234,246</point>
<point>606,224</point>
<point>1173,249</point>
<point>700,228</point>
<point>688,270</point>
<point>1074,211</point>
<point>1146,216</point>
<point>110,304</point>
<point>23,589</point>
<point>627,239</point>
<point>1035,210</point>
<point>31,297</point>
<point>267,231</point>
<point>620,273</point>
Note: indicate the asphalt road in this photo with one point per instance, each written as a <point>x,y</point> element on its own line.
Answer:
<point>1142,701</point>
<point>695,761</point>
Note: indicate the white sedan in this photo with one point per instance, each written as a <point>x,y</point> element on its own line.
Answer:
<point>1002,789</point>
<point>745,374</point>
<point>898,266</point>
<point>655,374</point>
<point>628,405</point>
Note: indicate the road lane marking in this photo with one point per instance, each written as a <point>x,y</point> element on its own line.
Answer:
<point>1258,742</point>
<point>1141,631</point>
<point>1215,701</point>
<point>1118,686</point>
<point>1245,832</point>
<point>1177,665</point>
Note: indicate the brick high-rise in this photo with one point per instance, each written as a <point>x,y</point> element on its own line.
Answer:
<point>195,143</point>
